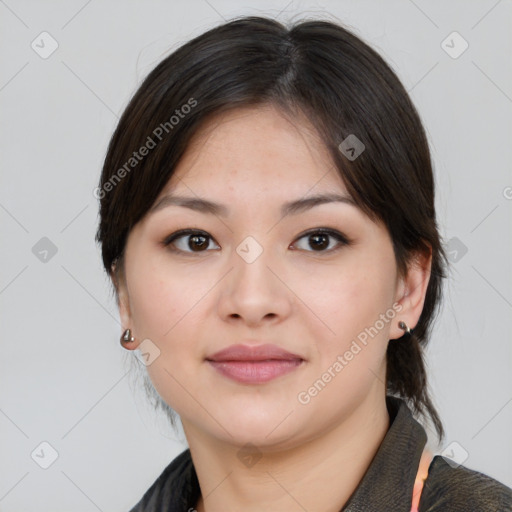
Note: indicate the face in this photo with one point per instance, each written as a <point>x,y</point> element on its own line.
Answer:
<point>320,282</point>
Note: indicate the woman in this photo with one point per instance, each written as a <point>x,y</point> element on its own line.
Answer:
<point>268,222</point>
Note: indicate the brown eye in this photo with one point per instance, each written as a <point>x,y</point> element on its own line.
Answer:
<point>323,241</point>
<point>188,241</point>
<point>319,241</point>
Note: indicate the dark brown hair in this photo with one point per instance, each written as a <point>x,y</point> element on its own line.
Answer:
<point>318,69</point>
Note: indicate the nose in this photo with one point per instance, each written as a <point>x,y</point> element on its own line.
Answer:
<point>255,292</point>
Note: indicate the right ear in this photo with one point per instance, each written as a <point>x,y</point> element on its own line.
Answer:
<point>123,303</point>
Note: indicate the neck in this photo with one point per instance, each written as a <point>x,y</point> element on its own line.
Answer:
<point>320,474</point>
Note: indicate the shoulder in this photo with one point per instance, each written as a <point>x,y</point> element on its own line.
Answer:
<point>172,490</point>
<point>459,489</point>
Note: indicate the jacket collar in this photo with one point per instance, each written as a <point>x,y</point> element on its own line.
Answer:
<point>389,480</point>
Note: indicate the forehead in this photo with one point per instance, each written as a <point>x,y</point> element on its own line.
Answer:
<point>259,148</point>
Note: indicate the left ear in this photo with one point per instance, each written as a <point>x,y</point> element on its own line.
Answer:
<point>411,292</point>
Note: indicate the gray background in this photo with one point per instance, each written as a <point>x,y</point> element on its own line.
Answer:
<point>63,373</point>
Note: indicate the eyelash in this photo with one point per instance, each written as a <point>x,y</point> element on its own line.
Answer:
<point>339,237</point>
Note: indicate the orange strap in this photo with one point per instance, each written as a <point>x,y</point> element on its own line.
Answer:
<point>421,476</point>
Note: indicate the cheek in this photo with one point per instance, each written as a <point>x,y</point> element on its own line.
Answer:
<point>153,303</point>
<point>169,304</point>
<point>162,298</point>
<point>356,289</point>
<point>167,311</point>
<point>347,301</point>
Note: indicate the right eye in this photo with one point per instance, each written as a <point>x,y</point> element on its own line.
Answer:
<point>188,241</point>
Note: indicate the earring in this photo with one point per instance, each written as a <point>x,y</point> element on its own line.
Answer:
<point>127,337</point>
<point>403,326</point>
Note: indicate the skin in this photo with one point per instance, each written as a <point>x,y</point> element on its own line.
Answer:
<point>312,302</point>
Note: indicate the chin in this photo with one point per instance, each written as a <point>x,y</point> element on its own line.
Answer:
<point>261,428</point>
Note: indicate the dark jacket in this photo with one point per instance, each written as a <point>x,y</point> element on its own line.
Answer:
<point>386,486</point>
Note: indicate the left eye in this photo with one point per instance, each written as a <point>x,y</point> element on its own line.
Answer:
<point>318,240</point>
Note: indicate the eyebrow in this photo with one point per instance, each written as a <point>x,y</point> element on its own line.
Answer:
<point>291,208</point>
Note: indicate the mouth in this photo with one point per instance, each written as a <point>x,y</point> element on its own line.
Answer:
<point>254,364</point>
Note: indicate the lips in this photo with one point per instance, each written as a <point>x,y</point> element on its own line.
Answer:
<point>247,364</point>
<point>266,352</point>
